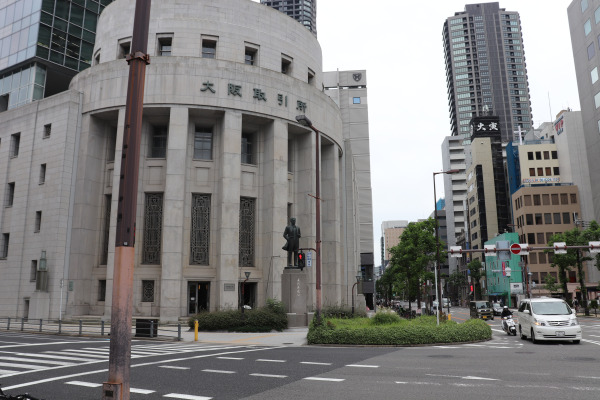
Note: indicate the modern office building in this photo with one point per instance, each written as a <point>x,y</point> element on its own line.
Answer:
<point>303,11</point>
<point>224,165</point>
<point>485,67</point>
<point>43,44</point>
<point>584,24</point>
<point>390,237</point>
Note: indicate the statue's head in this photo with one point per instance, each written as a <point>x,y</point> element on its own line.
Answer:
<point>293,221</point>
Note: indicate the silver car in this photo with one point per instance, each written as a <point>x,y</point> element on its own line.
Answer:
<point>497,308</point>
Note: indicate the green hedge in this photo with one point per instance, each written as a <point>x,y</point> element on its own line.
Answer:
<point>264,319</point>
<point>422,330</point>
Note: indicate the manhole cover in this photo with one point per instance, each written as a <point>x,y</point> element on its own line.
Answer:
<point>588,359</point>
<point>441,356</point>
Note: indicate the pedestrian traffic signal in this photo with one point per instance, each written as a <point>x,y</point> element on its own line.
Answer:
<point>301,261</point>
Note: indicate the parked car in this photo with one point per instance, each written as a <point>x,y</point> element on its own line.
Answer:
<point>497,308</point>
<point>481,309</point>
<point>546,318</point>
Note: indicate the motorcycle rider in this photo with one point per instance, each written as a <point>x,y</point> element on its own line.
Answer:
<point>506,313</point>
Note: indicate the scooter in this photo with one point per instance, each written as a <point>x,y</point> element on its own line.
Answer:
<point>508,326</point>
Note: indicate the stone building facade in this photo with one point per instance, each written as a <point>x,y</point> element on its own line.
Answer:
<point>223,167</point>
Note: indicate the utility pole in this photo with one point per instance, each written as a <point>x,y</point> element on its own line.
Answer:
<point>119,364</point>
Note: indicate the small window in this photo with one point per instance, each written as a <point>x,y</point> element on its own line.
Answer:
<point>10,195</point>
<point>556,217</point>
<point>591,51</point>
<point>546,199</point>
<point>554,198</point>
<point>538,219</point>
<point>251,54</point>
<point>556,170</point>
<point>311,76</point>
<point>538,155</point>
<point>147,291</point>
<point>531,171</point>
<point>47,130</point>
<point>356,100</point>
<point>547,218</point>
<point>532,258</point>
<point>248,146</point>
<point>530,155</point>
<point>584,5</point>
<point>15,142</point>
<point>546,155</point>
<point>554,155</point>
<point>209,48</point>
<point>548,171</point>
<point>527,199</point>
<point>97,58</point>
<point>587,27</point>
<point>286,64</point>
<point>566,218</point>
<point>573,198</point>
<point>542,258</point>
<point>594,72</point>
<point>4,245</point>
<point>33,271</point>
<point>38,221</point>
<point>531,238</point>
<point>540,171</point>
<point>164,46</point>
<point>42,174</point>
<point>540,238</point>
<point>564,199</point>
<point>102,290</point>
<point>597,100</point>
<point>536,200</point>
<point>529,219</point>
<point>124,48</point>
<point>158,142</point>
<point>203,144</point>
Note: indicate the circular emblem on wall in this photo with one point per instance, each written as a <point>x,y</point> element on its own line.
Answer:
<point>357,77</point>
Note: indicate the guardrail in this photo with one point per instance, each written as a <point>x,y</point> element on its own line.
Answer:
<point>141,327</point>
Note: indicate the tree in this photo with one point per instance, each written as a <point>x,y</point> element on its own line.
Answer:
<point>456,280</point>
<point>411,257</point>
<point>476,269</point>
<point>551,284</point>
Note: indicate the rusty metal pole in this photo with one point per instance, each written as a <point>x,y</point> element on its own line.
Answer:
<point>117,386</point>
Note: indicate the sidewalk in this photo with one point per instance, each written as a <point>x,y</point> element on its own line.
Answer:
<point>288,337</point>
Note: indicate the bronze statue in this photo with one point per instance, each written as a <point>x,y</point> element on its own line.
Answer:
<point>292,235</point>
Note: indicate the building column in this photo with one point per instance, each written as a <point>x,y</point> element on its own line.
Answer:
<point>227,205</point>
<point>274,197</point>
<point>172,288</point>
<point>332,270</point>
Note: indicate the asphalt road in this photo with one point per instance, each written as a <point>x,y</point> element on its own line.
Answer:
<point>58,368</point>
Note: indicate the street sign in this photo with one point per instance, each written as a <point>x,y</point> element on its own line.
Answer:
<point>560,247</point>
<point>309,259</point>
<point>455,251</point>
<point>515,248</point>
<point>594,247</point>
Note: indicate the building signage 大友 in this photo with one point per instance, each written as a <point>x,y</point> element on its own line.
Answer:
<point>492,126</point>
<point>257,93</point>
<point>541,180</point>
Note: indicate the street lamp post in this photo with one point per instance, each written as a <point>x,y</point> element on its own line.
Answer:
<point>302,119</point>
<point>356,283</point>
<point>438,289</point>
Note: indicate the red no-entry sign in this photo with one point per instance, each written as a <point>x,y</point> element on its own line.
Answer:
<point>515,248</point>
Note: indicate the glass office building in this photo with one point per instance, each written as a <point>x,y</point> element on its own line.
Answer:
<point>303,11</point>
<point>43,44</point>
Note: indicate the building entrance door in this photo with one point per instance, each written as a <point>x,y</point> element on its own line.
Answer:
<point>198,297</point>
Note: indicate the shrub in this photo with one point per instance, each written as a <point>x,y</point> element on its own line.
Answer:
<point>341,312</point>
<point>422,330</point>
<point>264,319</point>
<point>385,317</point>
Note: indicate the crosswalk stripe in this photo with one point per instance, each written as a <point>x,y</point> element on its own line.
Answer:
<point>36,360</point>
<point>22,366</point>
<point>53,356</point>
<point>69,352</point>
<point>186,397</point>
<point>85,384</point>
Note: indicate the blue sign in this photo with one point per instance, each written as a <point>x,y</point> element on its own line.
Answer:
<point>309,259</point>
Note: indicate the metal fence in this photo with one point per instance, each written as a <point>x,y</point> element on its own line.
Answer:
<point>141,327</point>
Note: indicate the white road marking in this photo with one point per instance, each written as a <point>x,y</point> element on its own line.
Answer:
<point>186,396</point>
<point>419,383</point>
<point>218,371</point>
<point>314,363</point>
<point>171,367</point>
<point>141,391</point>
<point>54,357</point>
<point>231,358</point>
<point>480,378</point>
<point>362,366</point>
<point>29,360</point>
<point>314,378</point>
<point>22,366</point>
<point>46,344</point>
<point>86,384</point>
<point>266,360</point>
<point>269,375</point>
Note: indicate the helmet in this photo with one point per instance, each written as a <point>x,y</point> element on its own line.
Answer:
<point>506,307</point>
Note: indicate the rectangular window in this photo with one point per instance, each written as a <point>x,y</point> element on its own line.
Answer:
<point>529,219</point>
<point>106,229</point>
<point>153,212</point>
<point>251,54</point>
<point>311,76</point>
<point>556,218</point>
<point>540,238</point>
<point>33,271</point>
<point>531,171</point>
<point>15,142</point>
<point>248,148</point>
<point>554,197</point>
<point>556,170</point>
<point>538,155</point>
<point>546,155</point>
<point>591,51</point>
<point>10,195</point>
<point>158,142</point>
<point>47,130</point>
<point>542,258</point>
<point>124,48</point>
<point>527,199</point>
<point>548,171</point>
<point>209,48</point>
<point>200,230</point>
<point>587,27</point>
<point>247,231</point>
<point>4,245</point>
<point>573,198</point>
<point>531,238</point>
<point>548,218</point>
<point>532,258</point>
<point>564,199</point>
<point>530,155</point>
<point>42,174</point>
<point>566,218</point>
<point>147,291</point>
<point>554,155</point>
<point>540,171</point>
<point>356,100</point>
<point>594,72</point>
<point>38,221</point>
<point>286,64</point>
<point>165,45</point>
<point>546,199</point>
<point>536,200</point>
<point>102,290</point>
<point>596,100</point>
<point>203,139</point>
<point>538,219</point>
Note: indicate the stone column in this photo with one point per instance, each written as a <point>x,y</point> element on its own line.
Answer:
<point>171,286</point>
<point>274,196</point>
<point>227,205</point>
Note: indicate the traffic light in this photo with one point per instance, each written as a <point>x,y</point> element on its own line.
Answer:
<point>301,261</point>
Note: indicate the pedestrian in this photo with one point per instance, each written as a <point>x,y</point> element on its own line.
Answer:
<point>576,304</point>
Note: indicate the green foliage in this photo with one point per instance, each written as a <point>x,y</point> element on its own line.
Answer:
<point>476,269</point>
<point>385,318</point>
<point>264,319</point>
<point>422,330</point>
<point>594,304</point>
<point>341,312</point>
<point>550,284</point>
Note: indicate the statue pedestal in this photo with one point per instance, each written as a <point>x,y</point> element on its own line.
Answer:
<point>294,294</point>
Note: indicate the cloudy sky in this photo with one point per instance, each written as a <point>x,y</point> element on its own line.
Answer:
<point>399,43</point>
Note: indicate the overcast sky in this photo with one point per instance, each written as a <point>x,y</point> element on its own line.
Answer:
<point>399,44</point>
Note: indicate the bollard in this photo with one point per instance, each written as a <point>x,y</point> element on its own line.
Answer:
<point>22,324</point>
<point>40,324</point>
<point>151,328</point>
<point>179,331</point>
<point>195,330</point>
<point>59,326</point>
<point>102,328</point>
<point>449,317</point>
<point>80,327</point>
<point>8,324</point>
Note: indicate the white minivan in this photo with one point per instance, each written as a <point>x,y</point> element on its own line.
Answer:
<point>546,318</point>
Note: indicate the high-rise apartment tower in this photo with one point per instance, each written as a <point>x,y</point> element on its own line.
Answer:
<point>303,11</point>
<point>485,68</point>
